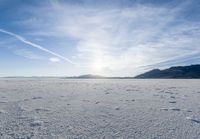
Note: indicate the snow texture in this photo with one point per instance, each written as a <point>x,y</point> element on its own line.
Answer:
<point>99,109</point>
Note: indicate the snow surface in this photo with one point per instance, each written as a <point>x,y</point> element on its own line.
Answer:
<point>99,109</point>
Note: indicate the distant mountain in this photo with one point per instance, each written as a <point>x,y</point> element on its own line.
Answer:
<point>192,71</point>
<point>179,72</point>
<point>87,76</point>
<point>91,76</point>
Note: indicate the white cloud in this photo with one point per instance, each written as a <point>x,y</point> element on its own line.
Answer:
<point>22,39</point>
<point>118,41</point>
<point>54,59</point>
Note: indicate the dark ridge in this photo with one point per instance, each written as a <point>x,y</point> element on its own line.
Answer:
<point>179,72</point>
<point>87,76</point>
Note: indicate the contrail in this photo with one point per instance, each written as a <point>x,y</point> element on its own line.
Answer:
<point>20,38</point>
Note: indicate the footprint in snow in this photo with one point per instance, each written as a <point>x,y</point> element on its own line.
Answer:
<point>36,123</point>
<point>36,97</point>
<point>175,109</point>
<point>69,127</point>
<point>193,120</point>
<point>187,110</point>
<point>158,89</point>
<point>129,90</point>
<point>171,87</point>
<point>26,99</point>
<point>22,117</point>
<point>2,111</point>
<point>164,109</point>
<point>161,91</point>
<point>172,101</point>
<point>41,110</point>
<point>172,97</point>
<point>85,100</point>
<point>162,97</point>
<point>167,92</point>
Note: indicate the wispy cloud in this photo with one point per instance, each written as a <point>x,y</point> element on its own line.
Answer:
<point>117,40</point>
<point>20,38</point>
<point>120,40</point>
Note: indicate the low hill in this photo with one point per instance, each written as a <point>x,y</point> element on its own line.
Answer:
<point>87,76</point>
<point>182,72</point>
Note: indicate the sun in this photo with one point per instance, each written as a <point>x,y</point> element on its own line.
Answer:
<point>98,66</point>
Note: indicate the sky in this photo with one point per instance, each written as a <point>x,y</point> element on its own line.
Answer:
<point>104,37</point>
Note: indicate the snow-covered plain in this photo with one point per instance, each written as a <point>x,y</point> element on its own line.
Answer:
<point>99,109</point>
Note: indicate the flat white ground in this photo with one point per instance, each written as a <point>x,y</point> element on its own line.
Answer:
<point>99,109</point>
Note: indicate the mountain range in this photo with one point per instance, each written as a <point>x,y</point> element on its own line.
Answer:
<point>179,72</point>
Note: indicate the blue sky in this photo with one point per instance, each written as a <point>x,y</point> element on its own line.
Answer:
<point>106,37</point>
